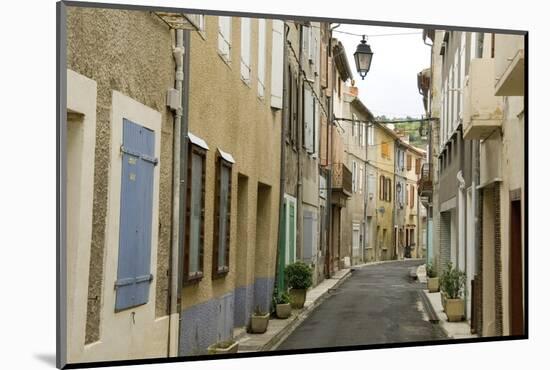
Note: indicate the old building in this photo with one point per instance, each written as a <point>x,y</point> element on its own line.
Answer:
<point>339,255</point>
<point>304,107</point>
<point>119,168</point>
<point>171,269</point>
<point>476,170</point>
<point>232,206</point>
<point>383,165</point>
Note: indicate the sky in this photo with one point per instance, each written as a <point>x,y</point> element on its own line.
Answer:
<point>390,87</point>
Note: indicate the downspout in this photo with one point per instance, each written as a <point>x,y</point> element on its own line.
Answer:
<point>173,322</point>
<point>282,161</point>
<point>300,143</point>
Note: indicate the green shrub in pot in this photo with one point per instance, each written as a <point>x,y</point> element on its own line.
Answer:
<point>298,277</point>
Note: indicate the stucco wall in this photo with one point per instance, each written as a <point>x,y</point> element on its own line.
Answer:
<point>131,52</point>
<point>228,114</point>
<point>385,167</point>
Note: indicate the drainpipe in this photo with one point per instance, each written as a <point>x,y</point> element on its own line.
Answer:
<point>282,161</point>
<point>173,322</point>
<point>299,157</point>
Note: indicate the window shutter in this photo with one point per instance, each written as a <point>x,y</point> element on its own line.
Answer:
<point>316,128</point>
<point>292,233</point>
<point>330,76</point>
<point>323,65</point>
<point>308,119</point>
<point>360,179</point>
<point>277,64</point>
<point>417,166</point>
<point>224,37</point>
<point>136,216</point>
<point>305,39</point>
<point>409,162</point>
<point>311,49</point>
<point>245,49</point>
<point>261,58</point>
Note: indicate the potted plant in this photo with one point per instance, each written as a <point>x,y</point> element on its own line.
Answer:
<point>282,306</point>
<point>298,277</point>
<point>226,346</point>
<point>259,321</point>
<point>454,289</point>
<point>433,279</point>
<point>443,283</point>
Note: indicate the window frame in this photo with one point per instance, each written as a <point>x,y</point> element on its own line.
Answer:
<point>218,272</point>
<point>197,277</point>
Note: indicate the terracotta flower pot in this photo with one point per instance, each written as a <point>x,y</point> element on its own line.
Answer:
<point>283,310</point>
<point>433,284</point>
<point>455,309</point>
<point>219,348</point>
<point>258,323</point>
<point>297,297</point>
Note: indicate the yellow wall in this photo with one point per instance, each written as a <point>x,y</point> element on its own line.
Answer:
<point>228,114</point>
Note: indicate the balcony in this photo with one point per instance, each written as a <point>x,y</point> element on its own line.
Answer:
<point>341,184</point>
<point>425,184</point>
<point>509,65</point>
<point>482,109</point>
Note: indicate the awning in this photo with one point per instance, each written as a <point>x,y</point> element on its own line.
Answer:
<point>197,141</point>
<point>226,156</point>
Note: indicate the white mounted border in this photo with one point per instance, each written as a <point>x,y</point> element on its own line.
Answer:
<point>81,134</point>
<point>144,335</point>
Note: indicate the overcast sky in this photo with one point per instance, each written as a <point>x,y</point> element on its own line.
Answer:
<point>390,87</point>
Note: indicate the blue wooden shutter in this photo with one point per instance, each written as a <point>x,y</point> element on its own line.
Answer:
<point>136,212</point>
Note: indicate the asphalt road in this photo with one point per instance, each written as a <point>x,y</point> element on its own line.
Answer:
<point>376,304</point>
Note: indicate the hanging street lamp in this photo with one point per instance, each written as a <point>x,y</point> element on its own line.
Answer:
<point>363,58</point>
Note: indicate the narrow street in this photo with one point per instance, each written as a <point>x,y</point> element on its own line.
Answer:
<point>377,304</point>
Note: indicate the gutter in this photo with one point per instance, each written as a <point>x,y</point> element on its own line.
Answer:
<point>178,53</point>
<point>283,160</point>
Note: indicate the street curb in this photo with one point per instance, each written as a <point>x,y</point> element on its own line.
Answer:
<point>430,311</point>
<point>276,341</point>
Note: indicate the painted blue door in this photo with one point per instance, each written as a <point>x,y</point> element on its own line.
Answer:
<point>136,212</point>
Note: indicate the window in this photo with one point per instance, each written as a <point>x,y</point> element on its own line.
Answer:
<point>370,134</point>
<point>363,134</point>
<point>417,166</point>
<point>408,194</point>
<point>382,188</point>
<point>245,49</point>
<point>409,162</point>
<point>389,190</point>
<point>194,230</point>
<point>220,263</point>
<point>261,57</point>
<point>224,38</point>
<point>412,197</point>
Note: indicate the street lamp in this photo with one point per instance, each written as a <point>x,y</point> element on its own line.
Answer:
<point>363,58</point>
